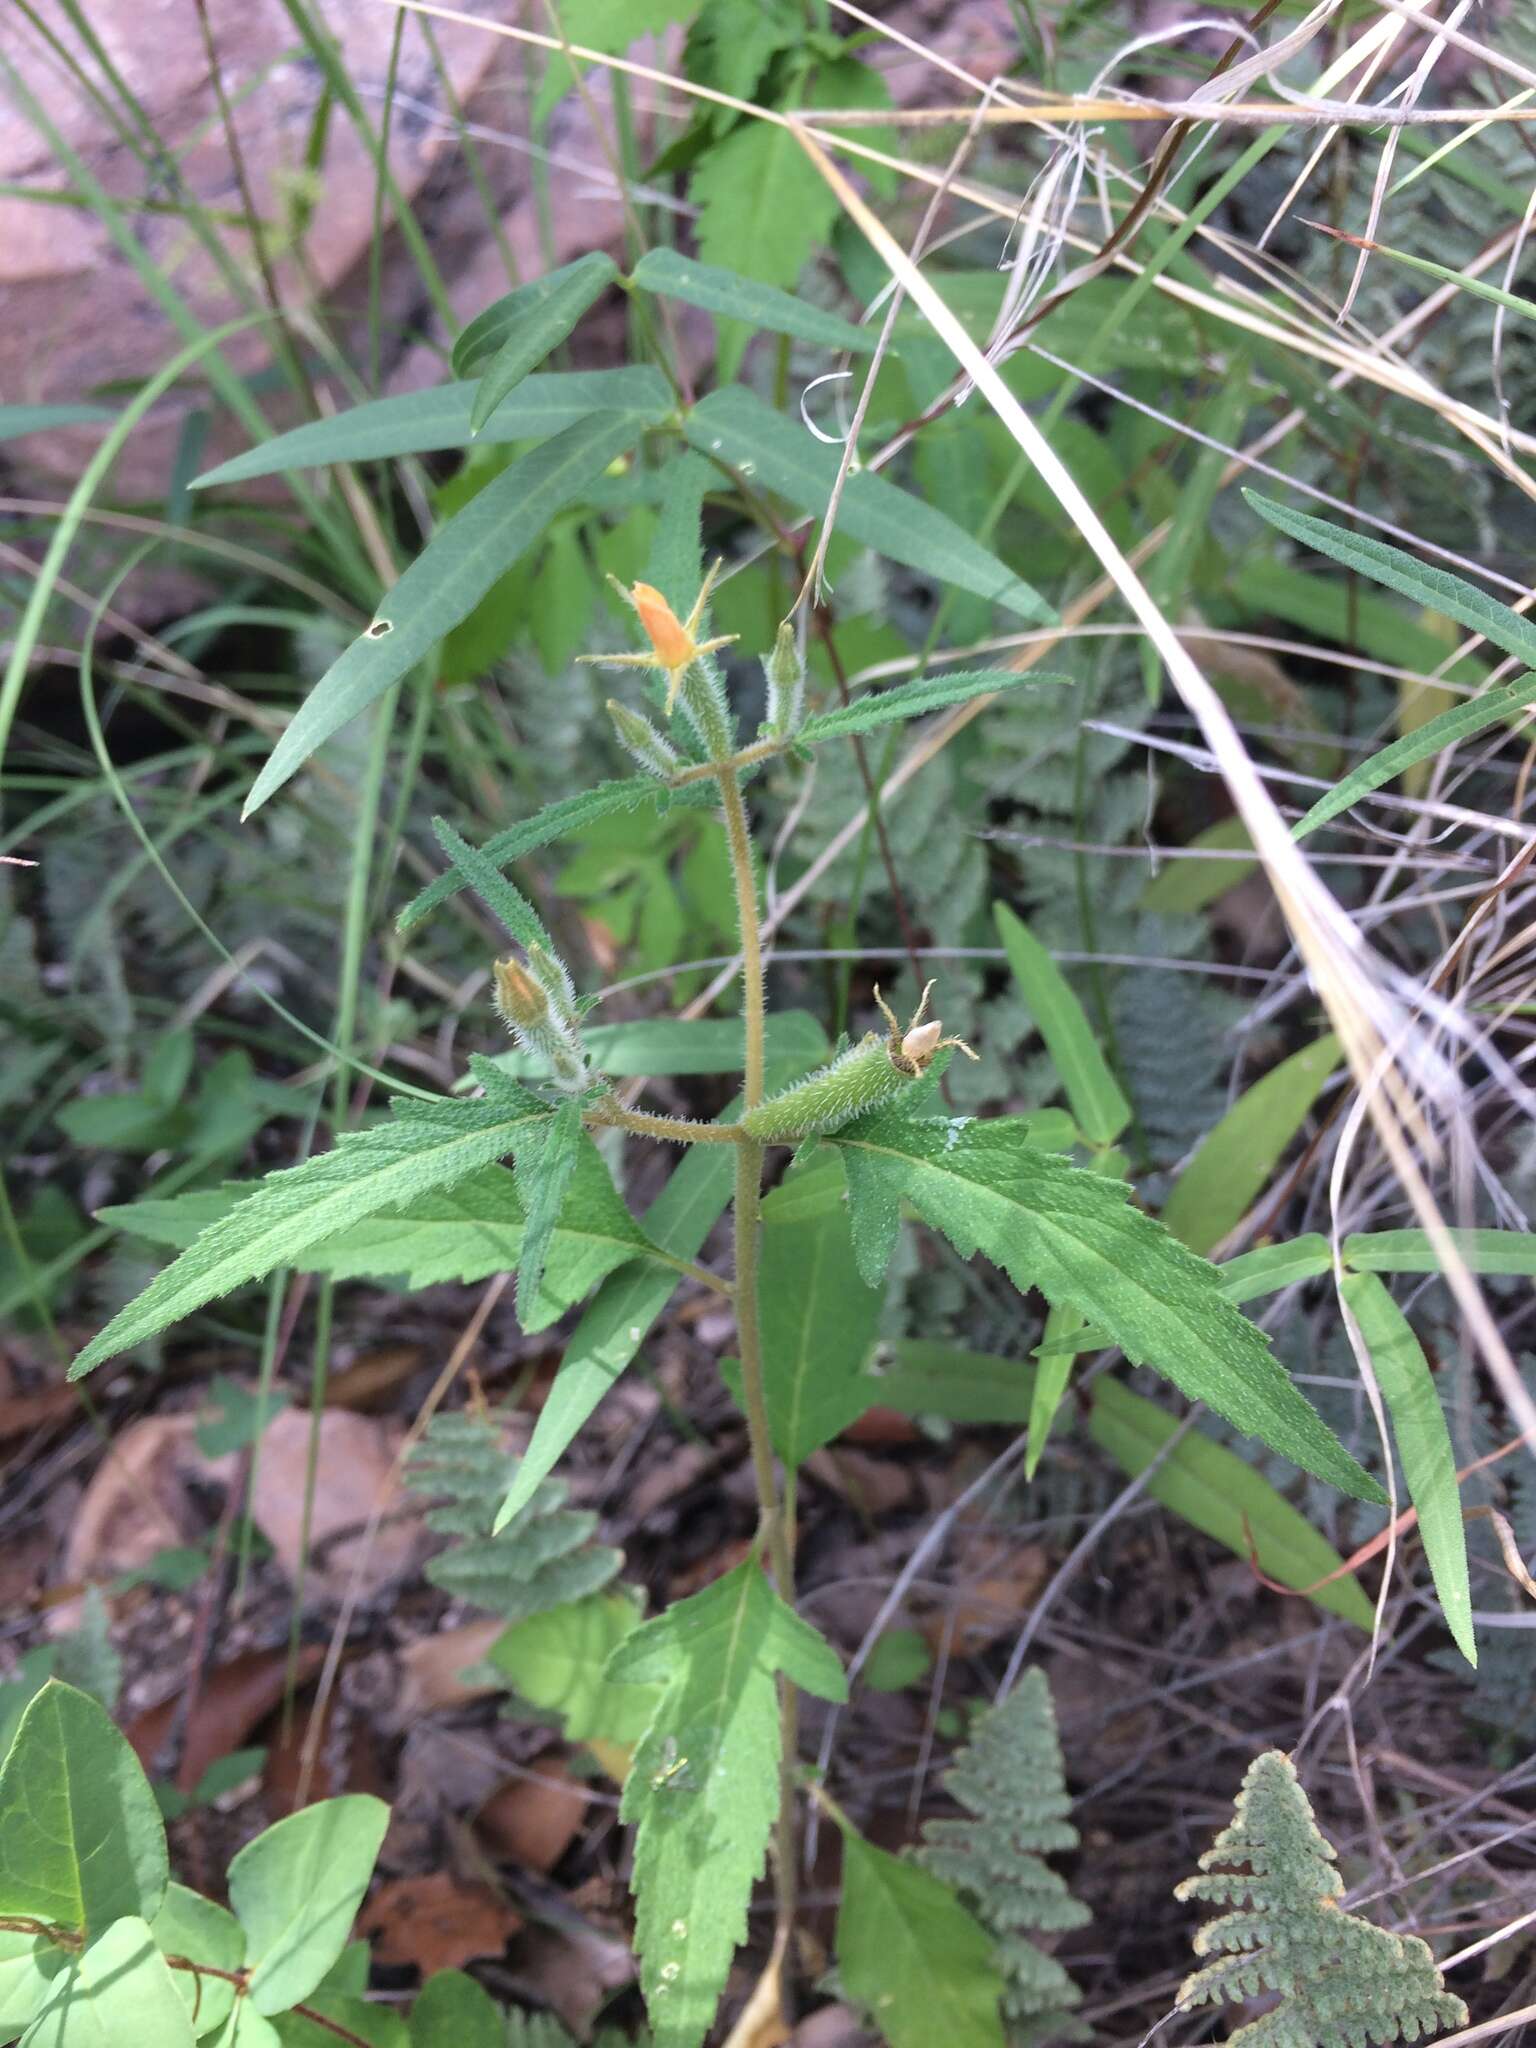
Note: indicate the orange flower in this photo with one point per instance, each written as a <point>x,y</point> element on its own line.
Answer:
<point>675,646</point>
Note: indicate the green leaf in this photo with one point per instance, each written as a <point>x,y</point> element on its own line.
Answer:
<point>1462,722</point>
<point>900,1657</point>
<point>1474,287</point>
<point>1236,1158</point>
<point>1052,1377</point>
<point>1213,1489</point>
<point>190,1925</point>
<point>121,1990</point>
<point>510,338</point>
<point>81,1839</point>
<point>28,1965</point>
<point>453,2012</point>
<point>763,205</point>
<point>1410,1251</point>
<point>1274,1266</point>
<point>501,897</point>
<point>426,1145</point>
<point>419,422</point>
<point>557,1661</point>
<point>296,1889</point>
<point>818,1320</point>
<point>916,700</point>
<point>704,1788</point>
<point>1188,885</point>
<point>446,581</point>
<point>909,1952</point>
<point>614,1325</point>
<point>741,298</point>
<point>1093,1094</point>
<point>918,1376</point>
<point>1436,589</point>
<point>1074,1235</point>
<point>559,821</point>
<point>780,456</point>
<point>1423,1443</point>
<point>33,419</point>
<point>688,1045</point>
<point>546,1159</point>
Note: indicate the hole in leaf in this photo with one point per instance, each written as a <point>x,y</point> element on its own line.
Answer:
<point>379,628</point>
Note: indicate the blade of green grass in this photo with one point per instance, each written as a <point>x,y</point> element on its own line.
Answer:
<point>1423,1443</point>
<point>1094,1095</point>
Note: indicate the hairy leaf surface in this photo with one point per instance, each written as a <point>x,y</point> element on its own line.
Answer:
<point>424,1146</point>
<point>1075,1236</point>
<point>910,1952</point>
<point>704,1788</point>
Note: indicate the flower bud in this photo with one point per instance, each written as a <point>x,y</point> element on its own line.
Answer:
<point>538,1006</point>
<point>669,637</point>
<point>640,739</point>
<point>522,1003</point>
<point>786,684</point>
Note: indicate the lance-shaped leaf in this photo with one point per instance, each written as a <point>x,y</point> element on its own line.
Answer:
<point>1411,1251</point>
<point>613,1327</point>
<point>1095,1096</point>
<point>629,1301</point>
<point>910,1953</point>
<point>446,581</point>
<point>1213,1489</point>
<point>759,305</point>
<point>560,820</point>
<point>546,1158</point>
<point>425,1145</point>
<point>420,422</point>
<point>1075,1236</point>
<point>503,898</point>
<point>777,453</point>
<point>1236,1158</point>
<point>1462,722</point>
<point>1436,589</point>
<point>916,700</point>
<point>704,1788</point>
<point>1423,1443</point>
<point>510,338</point>
<point>818,1316</point>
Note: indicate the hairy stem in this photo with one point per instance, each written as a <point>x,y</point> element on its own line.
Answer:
<point>773,1530</point>
<point>680,1130</point>
<point>739,839</point>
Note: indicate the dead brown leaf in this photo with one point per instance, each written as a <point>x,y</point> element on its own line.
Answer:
<point>995,1586</point>
<point>356,1476</point>
<point>432,1668</point>
<point>374,1377</point>
<point>871,1486</point>
<point>574,1968</point>
<point>437,1922</point>
<point>20,1414</point>
<point>137,1503</point>
<point>233,1701</point>
<point>533,1818</point>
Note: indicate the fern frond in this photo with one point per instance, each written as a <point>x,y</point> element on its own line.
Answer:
<point>1342,1983</point>
<point>1012,1783</point>
<point>544,1557</point>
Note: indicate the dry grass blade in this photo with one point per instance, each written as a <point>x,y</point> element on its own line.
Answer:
<point>1387,1052</point>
